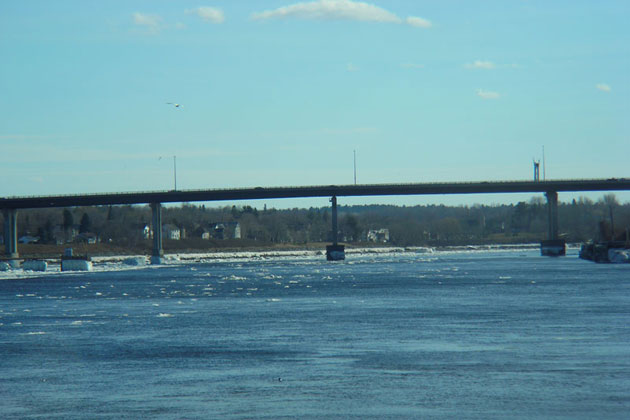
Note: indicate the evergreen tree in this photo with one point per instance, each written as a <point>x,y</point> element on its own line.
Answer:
<point>68,220</point>
<point>85,224</point>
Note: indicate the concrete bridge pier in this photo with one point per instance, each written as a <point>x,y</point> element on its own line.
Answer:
<point>335,252</point>
<point>553,246</point>
<point>552,209</point>
<point>11,237</point>
<point>158,252</point>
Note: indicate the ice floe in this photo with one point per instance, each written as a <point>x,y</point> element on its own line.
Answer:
<point>140,262</point>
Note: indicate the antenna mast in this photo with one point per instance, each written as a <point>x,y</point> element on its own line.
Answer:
<point>175,171</point>
<point>354,152</point>
<point>544,177</point>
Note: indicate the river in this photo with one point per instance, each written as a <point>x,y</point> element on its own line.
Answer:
<point>466,334</point>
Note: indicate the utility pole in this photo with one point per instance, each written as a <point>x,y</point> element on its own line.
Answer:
<point>544,176</point>
<point>355,166</point>
<point>175,171</point>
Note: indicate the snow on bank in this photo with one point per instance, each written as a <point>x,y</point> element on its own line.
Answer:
<point>53,267</point>
<point>139,262</point>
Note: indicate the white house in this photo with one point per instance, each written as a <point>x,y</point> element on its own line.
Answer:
<point>172,232</point>
<point>378,235</point>
<point>237,231</point>
<point>147,232</point>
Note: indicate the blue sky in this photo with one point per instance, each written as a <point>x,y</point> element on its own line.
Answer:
<point>282,92</point>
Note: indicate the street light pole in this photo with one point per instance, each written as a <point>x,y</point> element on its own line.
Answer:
<point>175,171</point>
<point>354,152</point>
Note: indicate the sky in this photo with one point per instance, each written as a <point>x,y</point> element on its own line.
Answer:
<point>287,93</point>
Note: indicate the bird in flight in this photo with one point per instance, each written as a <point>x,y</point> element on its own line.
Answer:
<point>174,104</point>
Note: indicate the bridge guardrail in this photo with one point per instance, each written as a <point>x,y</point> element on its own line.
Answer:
<point>287,188</point>
<point>253,193</point>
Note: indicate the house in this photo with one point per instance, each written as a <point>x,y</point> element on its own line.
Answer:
<point>218,232</point>
<point>62,235</point>
<point>172,232</point>
<point>226,230</point>
<point>201,232</point>
<point>87,238</point>
<point>146,231</point>
<point>237,231</point>
<point>27,239</point>
<point>378,235</point>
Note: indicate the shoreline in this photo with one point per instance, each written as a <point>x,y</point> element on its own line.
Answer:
<point>268,252</point>
<point>54,252</point>
<point>142,259</point>
<point>106,263</point>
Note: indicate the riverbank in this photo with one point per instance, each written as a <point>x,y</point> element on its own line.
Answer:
<point>125,262</point>
<point>47,251</point>
<point>31,251</point>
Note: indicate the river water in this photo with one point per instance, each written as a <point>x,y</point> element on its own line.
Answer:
<point>492,334</point>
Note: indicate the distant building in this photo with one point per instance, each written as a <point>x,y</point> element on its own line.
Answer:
<point>219,231</point>
<point>378,235</point>
<point>61,235</point>
<point>146,231</point>
<point>87,237</point>
<point>172,232</point>
<point>237,231</point>
<point>226,230</point>
<point>201,232</point>
<point>27,239</point>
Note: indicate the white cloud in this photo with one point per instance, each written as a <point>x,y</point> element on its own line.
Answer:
<point>418,22</point>
<point>603,87</point>
<point>487,94</point>
<point>330,10</point>
<point>150,21</point>
<point>479,64</point>
<point>338,10</point>
<point>209,14</point>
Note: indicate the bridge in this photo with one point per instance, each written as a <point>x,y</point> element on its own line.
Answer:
<point>11,205</point>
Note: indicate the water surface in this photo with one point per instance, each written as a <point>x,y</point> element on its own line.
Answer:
<point>401,335</point>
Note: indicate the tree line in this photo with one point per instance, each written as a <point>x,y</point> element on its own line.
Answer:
<point>428,225</point>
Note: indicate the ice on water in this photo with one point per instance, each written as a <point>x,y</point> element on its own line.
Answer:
<point>485,332</point>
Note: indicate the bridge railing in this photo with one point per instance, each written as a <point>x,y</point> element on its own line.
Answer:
<point>316,187</point>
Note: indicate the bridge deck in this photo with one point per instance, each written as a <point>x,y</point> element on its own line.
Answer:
<point>612,184</point>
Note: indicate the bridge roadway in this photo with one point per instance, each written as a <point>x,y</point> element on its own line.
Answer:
<point>612,184</point>
<point>11,205</point>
